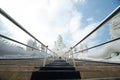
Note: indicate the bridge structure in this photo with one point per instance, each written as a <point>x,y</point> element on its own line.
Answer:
<point>56,67</point>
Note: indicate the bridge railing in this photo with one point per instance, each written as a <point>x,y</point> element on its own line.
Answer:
<point>26,44</point>
<point>101,32</point>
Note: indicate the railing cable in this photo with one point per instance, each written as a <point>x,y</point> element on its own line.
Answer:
<point>100,25</point>
<point>18,25</point>
<point>116,11</point>
<point>99,45</point>
<point>18,42</point>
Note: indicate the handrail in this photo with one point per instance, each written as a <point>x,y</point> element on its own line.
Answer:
<point>18,42</point>
<point>116,11</point>
<point>99,45</point>
<point>27,46</point>
<point>52,52</point>
<point>100,25</point>
<point>112,14</point>
<point>19,26</point>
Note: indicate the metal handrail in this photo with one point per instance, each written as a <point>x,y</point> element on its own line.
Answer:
<point>112,14</point>
<point>116,11</point>
<point>100,25</point>
<point>19,26</point>
<point>99,45</point>
<point>27,46</point>
<point>19,42</point>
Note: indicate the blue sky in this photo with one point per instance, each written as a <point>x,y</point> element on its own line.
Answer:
<point>98,9</point>
<point>73,19</point>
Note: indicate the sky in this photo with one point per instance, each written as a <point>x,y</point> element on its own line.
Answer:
<point>46,19</point>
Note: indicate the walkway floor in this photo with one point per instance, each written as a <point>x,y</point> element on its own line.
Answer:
<point>59,69</point>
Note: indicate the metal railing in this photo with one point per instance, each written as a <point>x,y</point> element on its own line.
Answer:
<point>110,16</point>
<point>116,11</point>
<point>2,12</point>
<point>18,42</point>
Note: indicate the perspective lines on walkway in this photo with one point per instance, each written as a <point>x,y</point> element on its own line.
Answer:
<point>59,69</point>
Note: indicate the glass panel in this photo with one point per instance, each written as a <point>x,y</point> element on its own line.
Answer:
<point>10,49</point>
<point>107,53</point>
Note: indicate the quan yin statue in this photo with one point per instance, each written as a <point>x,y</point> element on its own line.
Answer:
<point>59,46</point>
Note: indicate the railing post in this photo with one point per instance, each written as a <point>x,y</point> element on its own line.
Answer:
<point>73,58</point>
<point>45,56</point>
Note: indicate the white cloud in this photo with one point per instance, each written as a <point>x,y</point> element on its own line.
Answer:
<point>80,33</point>
<point>80,1</point>
<point>91,19</point>
<point>45,18</point>
<point>75,22</point>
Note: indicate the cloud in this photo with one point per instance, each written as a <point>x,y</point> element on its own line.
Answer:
<point>91,19</point>
<point>45,19</point>
<point>80,1</point>
<point>75,22</point>
<point>80,33</point>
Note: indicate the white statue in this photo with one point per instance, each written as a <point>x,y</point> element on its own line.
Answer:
<point>59,46</point>
<point>59,43</point>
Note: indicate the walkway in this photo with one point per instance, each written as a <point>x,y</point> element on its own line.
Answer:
<point>59,69</point>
